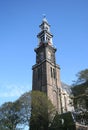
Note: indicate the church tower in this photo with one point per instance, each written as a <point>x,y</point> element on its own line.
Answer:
<point>46,73</point>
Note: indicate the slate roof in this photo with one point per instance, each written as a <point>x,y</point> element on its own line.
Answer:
<point>66,87</point>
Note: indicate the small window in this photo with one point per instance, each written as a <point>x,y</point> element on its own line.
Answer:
<point>42,39</point>
<point>46,28</point>
<point>54,73</point>
<point>51,72</point>
<point>48,39</point>
<point>39,73</point>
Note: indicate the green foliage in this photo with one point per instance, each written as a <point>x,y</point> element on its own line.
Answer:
<point>16,113</point>
<point>25,108</point>
<point>56,123</point>
<point>82,76</point>
<point>63,122</point>
<point>9,115</point>
<point>80,89</point>
<point>82,117</point>
<point>80,92</point>
<point>42,110</point>
<point>80,95</point>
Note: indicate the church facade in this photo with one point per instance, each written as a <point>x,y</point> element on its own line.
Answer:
<point>46,73</point>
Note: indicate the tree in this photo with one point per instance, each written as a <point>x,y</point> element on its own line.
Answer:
<point>80,91</point>
<point>80,86</point>
<point>56,123</point>
<point>12,115</point>
<point>42,111</point>
<point>82,76</point>
<point>18,113</point>
<point>25,108</point>
<point>9,115</point>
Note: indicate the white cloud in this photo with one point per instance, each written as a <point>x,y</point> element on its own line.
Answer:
<point>12,91</point>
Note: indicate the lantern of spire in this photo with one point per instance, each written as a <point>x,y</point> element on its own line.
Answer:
<point>45,36</point>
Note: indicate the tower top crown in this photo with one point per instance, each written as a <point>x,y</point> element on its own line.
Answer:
<point>45,25</point>
<point>44,35</point>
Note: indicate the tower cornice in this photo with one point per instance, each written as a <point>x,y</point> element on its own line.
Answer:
<point>44,31</point>
<point>46,60</point>
<point>43,45</point>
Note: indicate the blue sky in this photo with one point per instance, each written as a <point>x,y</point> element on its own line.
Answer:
<point>19,25</point>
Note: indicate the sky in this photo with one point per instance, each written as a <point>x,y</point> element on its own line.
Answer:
<point>19,26</point>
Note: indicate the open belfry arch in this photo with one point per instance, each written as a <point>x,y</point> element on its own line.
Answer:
<point>46,73</point>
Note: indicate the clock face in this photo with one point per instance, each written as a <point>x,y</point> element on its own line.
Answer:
<point>49,55</point>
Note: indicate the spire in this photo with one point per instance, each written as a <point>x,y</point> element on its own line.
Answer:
<point>45,35</point>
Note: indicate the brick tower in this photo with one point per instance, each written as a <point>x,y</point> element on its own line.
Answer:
<point>46,73</point>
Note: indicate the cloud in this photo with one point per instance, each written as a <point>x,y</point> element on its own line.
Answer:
<point>12,91</point>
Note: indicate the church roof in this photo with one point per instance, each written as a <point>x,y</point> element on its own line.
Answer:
<point>66,87</point>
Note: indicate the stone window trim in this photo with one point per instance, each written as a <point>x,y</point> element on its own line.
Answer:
<point>53,72</point>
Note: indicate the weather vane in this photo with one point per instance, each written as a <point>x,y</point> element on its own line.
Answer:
<point>44,15</point>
